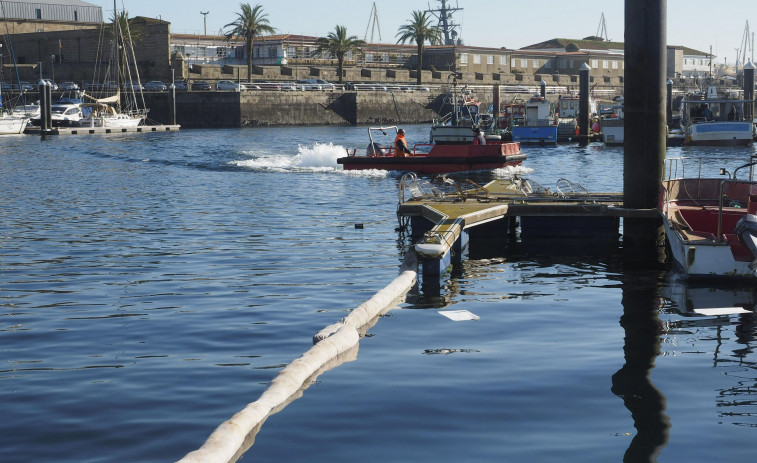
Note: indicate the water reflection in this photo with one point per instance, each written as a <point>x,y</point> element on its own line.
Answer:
<point>733,336</point>
<point>632,382</point>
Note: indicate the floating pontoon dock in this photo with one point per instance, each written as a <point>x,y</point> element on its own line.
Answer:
<point>98,130</point>
<point>441,220</point>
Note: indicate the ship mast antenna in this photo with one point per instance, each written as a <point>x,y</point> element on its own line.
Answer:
<point>446,25</point>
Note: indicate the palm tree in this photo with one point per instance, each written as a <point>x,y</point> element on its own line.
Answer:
<point>419,30</point>
<point>251,22</point>
<point>338,44</point>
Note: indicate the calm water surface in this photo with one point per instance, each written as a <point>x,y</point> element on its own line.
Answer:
<point>152,285</point>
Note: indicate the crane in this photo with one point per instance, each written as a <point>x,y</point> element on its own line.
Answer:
<point>602,28</point>
<point>374,20</point>
<point>747,43</point>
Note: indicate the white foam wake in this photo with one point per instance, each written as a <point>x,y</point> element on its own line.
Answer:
<point>320,157</point>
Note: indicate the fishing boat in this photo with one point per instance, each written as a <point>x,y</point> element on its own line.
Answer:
<point>710,223</point>
<point>568,107</point>
<point>539,122</point>
<point>611,123</point>
<point>451,147</point>
<point>708,119</point>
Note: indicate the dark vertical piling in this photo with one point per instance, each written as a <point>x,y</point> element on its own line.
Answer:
<point>543,89</point>
<point>669,103</point>
<point>584,118</point>
<point>749,91</point>
<point>496,103</point>
<point>644,153</point>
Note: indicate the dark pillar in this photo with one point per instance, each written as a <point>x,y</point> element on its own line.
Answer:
<point>669,103</point>
<point>749,91</point>
<point>543,87</point>
<point>584,118</point>
<point>495,104</point>
<point>644,153</point>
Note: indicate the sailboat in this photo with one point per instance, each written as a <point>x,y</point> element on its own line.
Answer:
<point>111,111</point>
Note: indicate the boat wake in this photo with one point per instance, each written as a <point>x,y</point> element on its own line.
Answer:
<point>320,158</point>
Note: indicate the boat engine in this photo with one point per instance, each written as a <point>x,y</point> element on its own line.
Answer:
<point>746,229</point>
<point>375,149</point>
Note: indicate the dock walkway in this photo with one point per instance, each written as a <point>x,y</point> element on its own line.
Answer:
<point>440,219</point>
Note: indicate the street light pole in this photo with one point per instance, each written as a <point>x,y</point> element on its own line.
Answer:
<point>205,20</point>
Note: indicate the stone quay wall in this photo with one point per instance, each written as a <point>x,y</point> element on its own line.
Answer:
<point>274,108</point>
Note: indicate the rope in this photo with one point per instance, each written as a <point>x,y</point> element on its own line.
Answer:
<point>228,439</point>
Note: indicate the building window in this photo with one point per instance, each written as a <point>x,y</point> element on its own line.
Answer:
<point>38,13</point>
<point>536,64</point>
<point>490,59</point>
<point>476,59</point>
<point>523,63</point>
<point>369,57</point>
<point>615,64</point>
<point>463,58</point>
<point>605,64</point>
<point>503,60</point>
<point>595,64</point>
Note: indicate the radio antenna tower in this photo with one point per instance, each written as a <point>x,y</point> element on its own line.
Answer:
<point>602,29</point>
<point>373,24</point>
<point>446,24</point>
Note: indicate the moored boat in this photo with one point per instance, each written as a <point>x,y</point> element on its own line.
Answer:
<point>710,223</point>
<point>611,123</point>
<point>707,119</point>
<point>539,124</point>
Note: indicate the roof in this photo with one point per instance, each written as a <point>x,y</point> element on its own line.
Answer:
<point>53,2</point>
<point>590,43</point>
<point>582,44</point>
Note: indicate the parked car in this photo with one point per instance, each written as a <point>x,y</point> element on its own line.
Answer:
<point>133,86</point>
<point>180,85</point>
<point>201,85</point>
<point>228,85</point>
<point>155,86</point>
<point>248,86</point>
<point>69,86</point>
<point>90,85</point>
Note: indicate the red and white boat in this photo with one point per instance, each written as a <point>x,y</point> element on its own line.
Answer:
<point>711,223</point>
<point>451,150</point>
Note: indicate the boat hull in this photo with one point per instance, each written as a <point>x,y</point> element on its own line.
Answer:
<point>613,131</point>
<point>535,134</point>
<point>12,125</point>
<point>733,133</point>
<point>442,159</point>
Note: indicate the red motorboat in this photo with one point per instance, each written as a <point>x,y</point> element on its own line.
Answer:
<point>450,150</point>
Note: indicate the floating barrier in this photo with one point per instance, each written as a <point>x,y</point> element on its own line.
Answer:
<point>332,346</point>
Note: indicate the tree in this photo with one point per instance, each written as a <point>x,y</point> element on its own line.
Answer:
<point>420,31</point>
<point>251,22</point>
<point>338,44</point>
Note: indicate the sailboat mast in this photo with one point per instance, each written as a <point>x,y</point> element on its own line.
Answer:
<point>116,41</point>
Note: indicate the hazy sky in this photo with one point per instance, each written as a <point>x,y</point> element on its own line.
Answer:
<point>697,24</point>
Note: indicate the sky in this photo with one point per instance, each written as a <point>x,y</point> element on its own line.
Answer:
<point>698,24</point>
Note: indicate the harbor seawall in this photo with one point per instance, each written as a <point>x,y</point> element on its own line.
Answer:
<point>274,108</point>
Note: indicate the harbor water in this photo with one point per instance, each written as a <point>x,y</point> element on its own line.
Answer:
<point>152,285</point>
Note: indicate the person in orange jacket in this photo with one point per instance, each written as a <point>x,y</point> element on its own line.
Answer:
<point>400,145</point>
